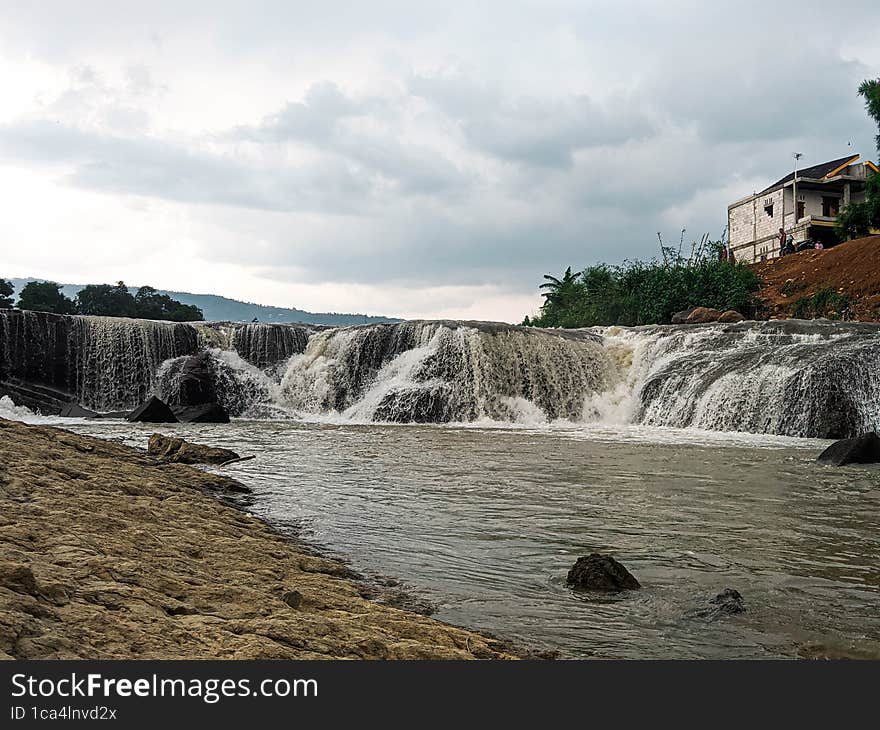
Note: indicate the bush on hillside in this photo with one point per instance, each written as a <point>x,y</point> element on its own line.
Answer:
<point>646,292</point>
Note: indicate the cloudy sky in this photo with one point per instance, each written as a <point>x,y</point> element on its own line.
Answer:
<point>418,159</point>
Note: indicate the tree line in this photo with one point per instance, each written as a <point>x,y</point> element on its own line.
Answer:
<point>647,292</point>
<point>107,300</point>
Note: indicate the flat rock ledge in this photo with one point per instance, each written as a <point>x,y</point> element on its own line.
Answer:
<point>107,554</point>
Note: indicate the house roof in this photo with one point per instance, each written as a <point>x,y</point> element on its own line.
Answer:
<point>816,172</point>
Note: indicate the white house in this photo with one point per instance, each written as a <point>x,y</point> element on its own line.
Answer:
<point>820,191</point>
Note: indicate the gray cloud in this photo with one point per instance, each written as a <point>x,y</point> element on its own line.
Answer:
<point>178,172</point>
<point>460,145</point>
<point>533,130</point>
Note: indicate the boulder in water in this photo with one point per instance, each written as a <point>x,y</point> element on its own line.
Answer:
<point>174,449</point>
<point>597,572</point>
<point>203,413</point>
<point>196,381</point>
<point>74,410</point>
<point>730,316</point>
<point>727,603</point>
<point>153,411</point>
<point>702,315</point>
<point>864,449</point>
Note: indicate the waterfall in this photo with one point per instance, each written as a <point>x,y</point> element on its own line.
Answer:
<point>447,371</point>
<point>266,345</point>
<point>116,359</point>
<point>813,379</point>
<point>101,362</point>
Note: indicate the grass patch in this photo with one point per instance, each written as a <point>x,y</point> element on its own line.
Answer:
<point>824,303</point>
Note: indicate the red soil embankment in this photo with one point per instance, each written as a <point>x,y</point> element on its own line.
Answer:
<point>851,269</point>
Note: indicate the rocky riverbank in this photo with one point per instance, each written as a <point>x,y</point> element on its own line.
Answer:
<point>108,553</point>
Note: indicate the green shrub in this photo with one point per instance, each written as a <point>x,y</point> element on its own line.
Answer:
<point>792,287</point>
<point>824,303</point>
<point>647,292</point>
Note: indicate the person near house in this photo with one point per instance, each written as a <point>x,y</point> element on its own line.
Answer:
<point>782,242</point>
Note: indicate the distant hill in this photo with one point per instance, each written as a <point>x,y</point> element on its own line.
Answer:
<point>217,308</point>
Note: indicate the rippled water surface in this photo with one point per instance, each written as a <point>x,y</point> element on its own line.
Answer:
<point>485,522</point>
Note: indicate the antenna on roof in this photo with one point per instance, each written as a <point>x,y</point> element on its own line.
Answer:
<point>797,156</point>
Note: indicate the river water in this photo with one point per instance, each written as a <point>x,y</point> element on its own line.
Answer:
<point>485,520</point>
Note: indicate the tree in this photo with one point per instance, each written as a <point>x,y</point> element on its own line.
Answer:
<point>45,296</point>
<point>150,304</point>
<point>858,219</point>
<point>6,291</point>
<point>106,300</point>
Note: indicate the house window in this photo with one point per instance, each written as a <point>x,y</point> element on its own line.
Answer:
<point>801,209</point>
<point>830,206</point>
<point>768,209</point>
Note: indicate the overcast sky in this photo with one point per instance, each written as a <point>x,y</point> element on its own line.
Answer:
<point>416,159</point>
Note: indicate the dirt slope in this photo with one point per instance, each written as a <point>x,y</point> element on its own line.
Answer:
<point>851,269</point>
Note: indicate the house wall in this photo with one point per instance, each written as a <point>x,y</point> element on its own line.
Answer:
<point>754,233</point>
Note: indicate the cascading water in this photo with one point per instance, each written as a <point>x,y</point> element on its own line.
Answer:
<point>447,371</point>
<point>101,362</point>
<point>794,378</point>
<point>263,345</point>
<point>267,345</point>
<point>236,385</point>
<point>813,379</point>
<point>117,359</point>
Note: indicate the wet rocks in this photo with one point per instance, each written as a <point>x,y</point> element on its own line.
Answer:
<point>727,603</point>
<point>152,411</point>
<point>203,413</point>
<point>730,316</point>
<point>176,450</point>
<point>703,315</point>
<point>195,384</point>
<point>864,449</point>
<point>74,410</point>
<point>597,572</point>
<point>193,397</point>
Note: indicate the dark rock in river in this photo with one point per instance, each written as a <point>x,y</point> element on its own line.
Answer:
<point>597,572</point>
<point>74,410</point>
<point>196,381</point>
<point>174,449</point>
<point>727,603</point>
<point>203,413</point>
<point>863,449</point>
<point>153,411</point>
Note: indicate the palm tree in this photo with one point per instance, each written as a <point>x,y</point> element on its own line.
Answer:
<point>559,289</point>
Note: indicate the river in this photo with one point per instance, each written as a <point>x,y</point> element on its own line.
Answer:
<point>484,522</point>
